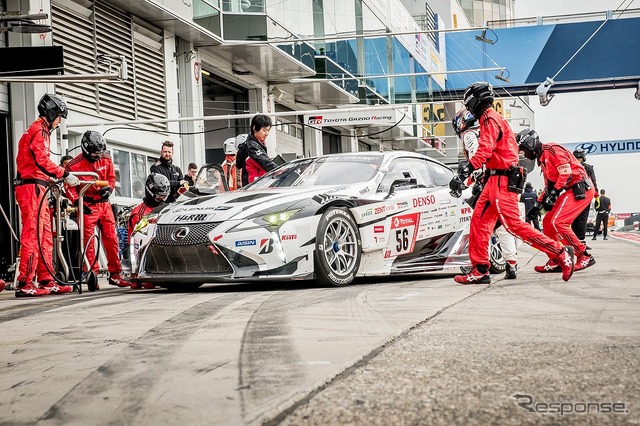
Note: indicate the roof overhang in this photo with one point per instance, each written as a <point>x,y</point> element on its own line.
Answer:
<point>267,61</point>
<point>322,92</point>
<point>163,17</point>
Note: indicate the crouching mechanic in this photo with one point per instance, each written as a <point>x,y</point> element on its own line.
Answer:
<point>96,205</point>
<point>466,127</point>
<point>34,168</point>
<point>567,192</point>
<point>498,152</point>
<point>156,190</point>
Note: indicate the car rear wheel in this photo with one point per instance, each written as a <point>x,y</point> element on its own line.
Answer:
<point>338,248</point>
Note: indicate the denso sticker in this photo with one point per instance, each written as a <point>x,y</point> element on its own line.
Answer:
<point>244,243</point>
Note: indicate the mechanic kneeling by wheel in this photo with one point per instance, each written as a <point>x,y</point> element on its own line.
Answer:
<point>96,205</point>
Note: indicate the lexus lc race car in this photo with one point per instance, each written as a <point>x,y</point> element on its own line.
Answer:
<point>331,218</point>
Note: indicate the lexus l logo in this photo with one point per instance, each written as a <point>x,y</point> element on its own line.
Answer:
<point>180,233</point>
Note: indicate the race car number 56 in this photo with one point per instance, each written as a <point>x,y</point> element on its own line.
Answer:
<point>404,230</point>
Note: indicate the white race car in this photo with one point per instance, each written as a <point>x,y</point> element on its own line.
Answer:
<point>331,218</point>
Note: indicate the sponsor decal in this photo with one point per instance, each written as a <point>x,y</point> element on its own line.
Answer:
<point>424,201</point>
<point>403,205</point>
<point>289,237</point>
<point>266,245</point>
<point>191,217</point>
<point>465,219</point>
<point>369,212</point>
<point>364,190</point>
<point>404,231</point>
<point>244,243</point>
<point>316,119</point>
<point>378,228</point>
<point>466,210</point>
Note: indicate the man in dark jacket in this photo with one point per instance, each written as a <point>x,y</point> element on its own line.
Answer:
<point>603,208</point>
<point>252,154</point>
<point>579,225</point>
<point>529,197</point>
<point>165,167</point>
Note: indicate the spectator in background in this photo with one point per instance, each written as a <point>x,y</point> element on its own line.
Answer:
<point>64,160</point>
<point>165,167</point>
<point>579,225</point>
<point>252,154</point>
<point>192,173</point>
<point>529,197</point>
<point>602,205</point>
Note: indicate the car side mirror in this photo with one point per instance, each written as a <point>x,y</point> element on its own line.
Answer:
<point>401,182</point>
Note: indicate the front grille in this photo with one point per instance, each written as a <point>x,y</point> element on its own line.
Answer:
<point>194,259</point>
<point>197,234</point>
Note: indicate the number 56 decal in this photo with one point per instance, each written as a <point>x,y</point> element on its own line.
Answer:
<point>404,230</point>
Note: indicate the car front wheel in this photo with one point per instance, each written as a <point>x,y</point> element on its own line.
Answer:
<point>338,248</point>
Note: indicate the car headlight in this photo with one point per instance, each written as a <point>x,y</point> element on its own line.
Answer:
<point>278,218</point>
<point>143,225</point>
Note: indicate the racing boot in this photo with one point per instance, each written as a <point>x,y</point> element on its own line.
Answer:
<point>148,286</point>
<point>550,266</point>
<point>510,270</point>
<point>30,290</point>
<point>566,260</point>
<point>475,276</point>
<point>584,261</point>
<point>466,269</point>
<point>54,288</point>
<point>117,280</point>
<point>2,285</point>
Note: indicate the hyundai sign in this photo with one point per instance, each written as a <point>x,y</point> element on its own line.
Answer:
<point>606,147</point>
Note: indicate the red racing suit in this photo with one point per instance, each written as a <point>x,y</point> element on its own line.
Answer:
<point>498,151</point>
<point>137,213</point>
<point>230,171</point>
<point>101,212</point>
<point>561,170</point>
<point>34,168</point>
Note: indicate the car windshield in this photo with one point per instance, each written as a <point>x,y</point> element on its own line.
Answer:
<point>331,170</point>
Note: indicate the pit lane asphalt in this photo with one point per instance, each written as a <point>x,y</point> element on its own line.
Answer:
<point>379,352</point>
<point>546,341</point>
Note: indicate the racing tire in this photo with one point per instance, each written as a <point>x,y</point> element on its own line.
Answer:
<point>497,263</point>
<point>338,248</point>
<point>92,281</point>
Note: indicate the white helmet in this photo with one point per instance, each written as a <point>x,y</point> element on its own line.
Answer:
<point>231,144</point>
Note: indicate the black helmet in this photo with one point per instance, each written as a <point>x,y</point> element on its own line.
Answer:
<point>529,143</point>
<point>51,107</point>
<point>580,154</point>
<point>463,121</point>
<point>157,187</point>
<point>478,97</point>
<point>93,145</point>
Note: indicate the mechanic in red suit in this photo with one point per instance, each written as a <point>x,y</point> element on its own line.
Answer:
<point>97,208</point>
<point>156,190</point>
<point>567,192</point>
<point>34,168</point>
<point>498,151</point>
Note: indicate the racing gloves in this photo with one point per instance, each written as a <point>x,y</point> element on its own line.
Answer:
<point>105,193</point>
<point>72,180</point>
<point>457,185</point>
